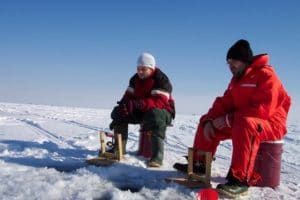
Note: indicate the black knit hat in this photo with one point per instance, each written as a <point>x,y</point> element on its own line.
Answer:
<point>241,50</point>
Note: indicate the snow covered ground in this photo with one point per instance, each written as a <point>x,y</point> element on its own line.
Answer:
<point>43,151</point>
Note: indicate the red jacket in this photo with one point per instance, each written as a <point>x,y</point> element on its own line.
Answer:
<point>154,91</point>
<point>259,93</point>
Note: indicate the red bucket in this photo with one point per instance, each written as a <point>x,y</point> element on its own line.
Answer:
<point>145,146</point>
<point>268,163</point>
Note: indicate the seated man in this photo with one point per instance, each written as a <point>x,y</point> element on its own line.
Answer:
<point>253,109</point>
<point>147,101</point>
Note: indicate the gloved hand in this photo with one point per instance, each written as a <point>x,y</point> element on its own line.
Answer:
<point>223,121</point>
<point>112,125</point>
<point>130,106</point>
<point>208,131</point>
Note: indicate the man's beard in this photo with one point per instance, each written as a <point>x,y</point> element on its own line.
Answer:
<point>238,74</point>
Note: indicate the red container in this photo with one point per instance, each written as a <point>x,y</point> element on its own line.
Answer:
<point>145,146</point>
<point>268,163</point>
<point>207,194</point>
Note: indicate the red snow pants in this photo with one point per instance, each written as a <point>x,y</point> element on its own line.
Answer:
<point>246,134</point>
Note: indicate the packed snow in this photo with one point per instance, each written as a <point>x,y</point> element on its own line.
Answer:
<point>43,151</point>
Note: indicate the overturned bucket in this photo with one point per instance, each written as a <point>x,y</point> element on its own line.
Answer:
<point>268,163</point>
<point>145,145</point>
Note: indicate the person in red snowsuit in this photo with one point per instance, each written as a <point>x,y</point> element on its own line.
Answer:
<point>253,109</point>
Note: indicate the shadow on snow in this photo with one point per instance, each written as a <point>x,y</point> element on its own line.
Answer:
<point>123,176</point>
<point>61,159</point>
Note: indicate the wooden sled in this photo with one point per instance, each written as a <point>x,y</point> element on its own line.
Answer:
<point>194,180</point>
<point>107,159</point>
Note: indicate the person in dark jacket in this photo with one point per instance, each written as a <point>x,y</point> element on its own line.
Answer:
<point>147,101</point>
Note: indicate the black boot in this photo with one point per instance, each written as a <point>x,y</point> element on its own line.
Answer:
<point>198,167</point>
<point>233,188</point>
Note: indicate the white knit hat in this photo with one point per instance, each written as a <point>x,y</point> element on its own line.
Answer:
<point>146,60</point>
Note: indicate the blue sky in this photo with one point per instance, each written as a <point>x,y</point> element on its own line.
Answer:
<point>82,53</point>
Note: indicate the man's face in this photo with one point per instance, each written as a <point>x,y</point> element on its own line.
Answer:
<point>237,67</point>
<point>144,72</point>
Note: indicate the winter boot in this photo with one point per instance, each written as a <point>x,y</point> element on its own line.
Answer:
<point>233,189</point>
<point>198,167</point>
<point>157,151</point>
<point>153,164</point>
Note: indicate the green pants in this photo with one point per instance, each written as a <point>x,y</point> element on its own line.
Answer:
<point>155,120</point>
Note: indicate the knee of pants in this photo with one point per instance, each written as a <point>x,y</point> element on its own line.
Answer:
<point>155,117</point>
<point>156,121</point>
<point>247,125</point>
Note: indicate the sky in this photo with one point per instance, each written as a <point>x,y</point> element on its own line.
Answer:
<point>83,53</point>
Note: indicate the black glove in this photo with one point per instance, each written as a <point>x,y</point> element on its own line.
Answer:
<point>112,125</point>
<point>130,106</point>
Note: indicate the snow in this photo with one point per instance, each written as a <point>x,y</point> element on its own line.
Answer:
<point>43,151</point>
